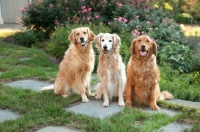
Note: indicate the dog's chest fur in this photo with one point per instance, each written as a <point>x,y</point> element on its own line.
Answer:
<point>145,75</point>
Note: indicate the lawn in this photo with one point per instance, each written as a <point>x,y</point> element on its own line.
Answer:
<point>39,109</point>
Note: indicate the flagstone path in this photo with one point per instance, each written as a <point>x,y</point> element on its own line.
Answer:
<point>93,108</point>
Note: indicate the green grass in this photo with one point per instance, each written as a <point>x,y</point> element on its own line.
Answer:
<point>38,109</point>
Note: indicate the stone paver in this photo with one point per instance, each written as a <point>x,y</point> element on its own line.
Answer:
<point>2,56</point>
<point>23,59</point>
<point>94,108</point>
<point>162,110</point>
<point>56,129</point>
<point>174,127</point>
<point>35,85</point>
<point>7,115</point>
<point>185,103</point>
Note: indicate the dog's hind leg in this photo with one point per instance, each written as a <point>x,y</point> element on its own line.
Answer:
<point>60,88</point>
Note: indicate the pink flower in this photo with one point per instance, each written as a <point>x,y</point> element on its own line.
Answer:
<point>67,8</point>
<point>89,17</point>
<point>83,7</point>
<point>83,18</point>
<point>50,5</point>
<point>120,19</point>
<point>89,9</point>
<point>148,22</point>
<point>68,18</point>
<point>119,4</point>
<point>108,23</point>
<point>22,9</point>
<point>115,18</point>
<point>96,16</point>
<point>150,28</point>
<point>22,25</point>
<point>34,8</point>
<point>85,10</point>
<point>137,16</point>
<point>82,0</point>
<point>30,4</point>
<point>56,22</point>
<point>125,20</point>
<point>65,1</point>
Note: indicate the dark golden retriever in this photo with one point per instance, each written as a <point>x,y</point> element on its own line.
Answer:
<point>143,74</point>
<point>76,67</point>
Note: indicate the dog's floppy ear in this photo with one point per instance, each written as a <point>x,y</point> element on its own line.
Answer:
<point>132,47</point>
<point>91,34</point>
<point>154,47</point>
<point>97,39</point>
<point>116,40</point>
<point>72,37</point>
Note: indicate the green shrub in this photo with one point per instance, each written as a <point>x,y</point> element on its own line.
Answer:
<point>26,38</point>
<point>178,55</point>
<point>44,16</point>
<point>184,18</point>
<point>182,86</point>
<point>197,77</point>
<point>155,22</point>
<point>190,7</point>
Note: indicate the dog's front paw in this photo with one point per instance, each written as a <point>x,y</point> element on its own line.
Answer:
<point>85,100</point>
<point>105,104</point>
<point>92,94</point>
<point>65,96</point>
<point>98,97</point>
<point>154,107</point>
<point>128,103</point>
<point>121,103</point>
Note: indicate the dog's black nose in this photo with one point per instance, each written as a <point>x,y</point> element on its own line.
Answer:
<point>143,46</point>
<point>105,47</point>
<point>82,39</point>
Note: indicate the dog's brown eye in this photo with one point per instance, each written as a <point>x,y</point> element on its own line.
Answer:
<point>139,40</point>
<point>110,40</point>
<point>147,40</point>
<point>102,40</point>
<point>77,34</point>
<point>84,32</point>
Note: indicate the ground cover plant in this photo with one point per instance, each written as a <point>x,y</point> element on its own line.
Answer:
<point>39,109</point>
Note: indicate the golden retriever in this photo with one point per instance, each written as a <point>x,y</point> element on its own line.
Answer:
<point>143,74</point>
<point>76,67</point>
<point>111,70</point>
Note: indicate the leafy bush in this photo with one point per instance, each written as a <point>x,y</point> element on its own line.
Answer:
<point>25,38</point>
<point>154,22</point>
<point>178,55</point>
<point>182,86</point>
<point>197,77</point>
<point>44,16</point>
<point>184,18</point>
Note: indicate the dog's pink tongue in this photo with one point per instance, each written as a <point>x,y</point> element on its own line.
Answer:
<point>142,53</point>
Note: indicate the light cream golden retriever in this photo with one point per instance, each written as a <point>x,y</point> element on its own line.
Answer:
<point>111,70</point>
<point>76,67</point>
<point>143,74</point>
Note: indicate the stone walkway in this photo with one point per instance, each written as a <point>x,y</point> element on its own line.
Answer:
<point>93,108</point>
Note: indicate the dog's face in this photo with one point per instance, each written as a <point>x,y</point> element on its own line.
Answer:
<point>106,42</point>
<point>81,36</point>
<point>143,47</point>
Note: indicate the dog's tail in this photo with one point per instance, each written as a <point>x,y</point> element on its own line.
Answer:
<point>47,87</point>
<point>165,95</point>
